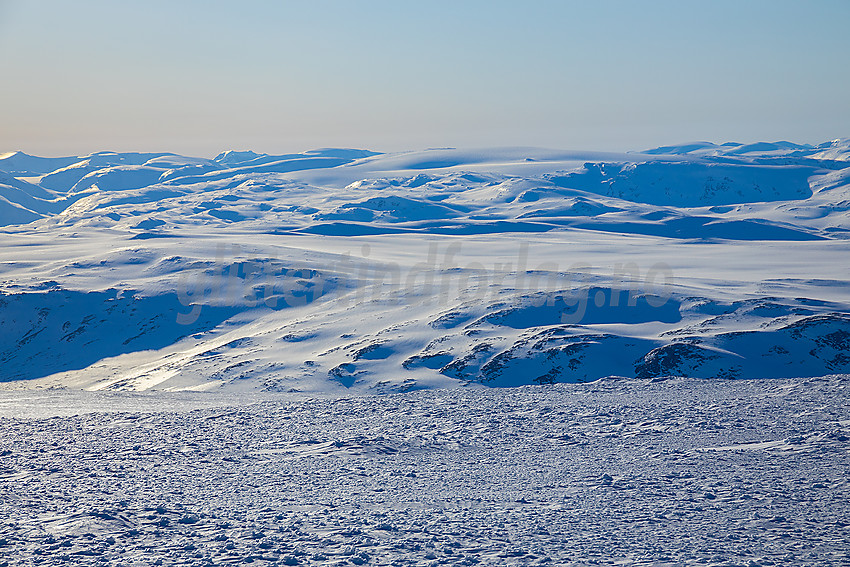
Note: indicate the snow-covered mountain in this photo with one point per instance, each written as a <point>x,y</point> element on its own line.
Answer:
<point>339,270</point>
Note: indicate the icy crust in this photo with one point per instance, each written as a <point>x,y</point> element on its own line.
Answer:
<point>679,472</point>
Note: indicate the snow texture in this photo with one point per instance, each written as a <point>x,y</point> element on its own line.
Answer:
<point>615,472</point>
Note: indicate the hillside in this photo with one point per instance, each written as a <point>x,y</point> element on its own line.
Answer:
<point>339,270</point>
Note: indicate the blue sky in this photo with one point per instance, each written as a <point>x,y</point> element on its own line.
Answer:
<point>198,77</point>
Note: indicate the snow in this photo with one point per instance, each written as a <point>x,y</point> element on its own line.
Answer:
<point>510,356</point>
<point>616,472</point>
<point>423,269</point>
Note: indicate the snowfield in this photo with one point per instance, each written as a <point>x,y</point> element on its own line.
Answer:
<point>346,271</point>
<point>614,472</point>
<point>510,356</point>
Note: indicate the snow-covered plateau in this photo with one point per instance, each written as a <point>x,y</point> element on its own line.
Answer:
<point>612,472</point>
<point>440,357</point>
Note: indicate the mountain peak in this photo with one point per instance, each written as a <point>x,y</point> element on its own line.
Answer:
<point>231,157</point>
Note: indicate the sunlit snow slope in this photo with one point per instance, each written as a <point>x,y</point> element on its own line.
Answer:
<point>339,270</point>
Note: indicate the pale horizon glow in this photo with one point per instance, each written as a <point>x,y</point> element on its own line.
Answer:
<point>199,78</point>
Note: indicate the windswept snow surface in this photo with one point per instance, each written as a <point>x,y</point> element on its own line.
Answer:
<point>346,271</point>
<point>614,472</point>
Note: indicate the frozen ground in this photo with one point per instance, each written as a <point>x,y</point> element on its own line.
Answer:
<point>625,472</point>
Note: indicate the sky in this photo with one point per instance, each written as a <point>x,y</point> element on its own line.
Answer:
<point>198,77</point>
